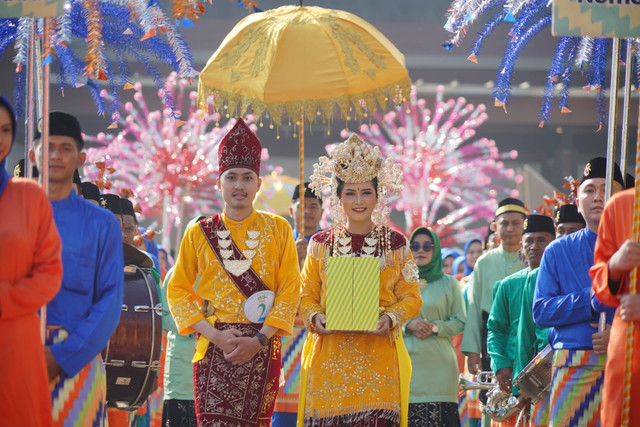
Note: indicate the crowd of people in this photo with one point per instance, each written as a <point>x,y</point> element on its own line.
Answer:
<point>354,325</point>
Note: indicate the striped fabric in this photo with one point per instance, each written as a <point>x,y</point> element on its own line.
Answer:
<point>463,410</point>
<point>287,399</point>
<point>353,293</point>
<point>576,388</point>
<point>540,412</point>
<point>79,400</point>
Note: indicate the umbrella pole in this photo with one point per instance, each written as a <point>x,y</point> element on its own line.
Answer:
<point>44,173</point>
<point>611,135</point>
<point>301,173</point>
<point>624,141</point>
<point>633,284</point>
<point>613,115</point>
<point>29,120</point>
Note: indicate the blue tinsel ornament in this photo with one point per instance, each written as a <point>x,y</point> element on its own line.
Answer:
<point>167,47</point>
<point>529,18</point>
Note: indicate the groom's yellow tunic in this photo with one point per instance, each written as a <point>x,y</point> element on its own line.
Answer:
<point>275,262</point>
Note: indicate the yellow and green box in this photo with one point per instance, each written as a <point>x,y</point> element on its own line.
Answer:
<point>353,293</point>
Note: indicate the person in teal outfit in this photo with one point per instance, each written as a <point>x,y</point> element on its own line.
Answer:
<point>433,396</point>
<point>504,317</point>
<point>491,267</point>
<point>178,408</point>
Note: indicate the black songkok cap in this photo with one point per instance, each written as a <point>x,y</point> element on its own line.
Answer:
<point>63,124</point>
<point>538,224</point>
<point>19,170</point>
<point>308,192</point>
<point>568,213</point>
<point>127,207</point>
<point>111,202</point>
<point>511,204</point>
<point>597,168</point>
<point>629,182</point>
<point>90,191</point>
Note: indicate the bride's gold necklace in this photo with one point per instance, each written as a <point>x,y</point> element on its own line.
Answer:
<point>345,246</point>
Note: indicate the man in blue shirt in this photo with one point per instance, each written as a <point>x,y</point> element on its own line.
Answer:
<point>86,310</point>
<point>562,303</point>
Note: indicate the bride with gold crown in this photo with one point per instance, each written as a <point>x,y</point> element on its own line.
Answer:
<point>359,285</point>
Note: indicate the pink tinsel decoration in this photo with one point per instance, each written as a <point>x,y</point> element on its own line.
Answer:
<point>452,180</point>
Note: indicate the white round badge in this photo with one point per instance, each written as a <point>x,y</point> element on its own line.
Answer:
<point>258,306</point>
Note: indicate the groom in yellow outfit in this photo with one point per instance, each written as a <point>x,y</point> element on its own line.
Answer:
<point>247,295</point>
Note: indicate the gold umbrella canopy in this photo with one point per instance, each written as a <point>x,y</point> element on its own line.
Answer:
<point>275,194</point>
<point>304,59</point>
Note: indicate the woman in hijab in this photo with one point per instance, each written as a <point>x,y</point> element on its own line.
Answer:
<point>433,397</point>
<point>458,267</point>
<point>468,405</point>
<point>448,256</point>
<point>472,251</point>
<point>31,273</point>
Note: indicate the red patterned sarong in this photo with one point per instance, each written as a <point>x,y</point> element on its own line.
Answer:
<point>228,395</point>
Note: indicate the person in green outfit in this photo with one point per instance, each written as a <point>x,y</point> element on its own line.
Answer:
<point>504,317</point>
<point>178,408</point>
<point>492,266</point>
<point>568,220</point>
<point>433,395</point>
<point>531,339</point>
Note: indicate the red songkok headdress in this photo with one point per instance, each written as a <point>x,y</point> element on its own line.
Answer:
<point>240,148</point>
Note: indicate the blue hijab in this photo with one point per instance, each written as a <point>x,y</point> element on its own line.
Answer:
<point>456,264</point>
<point>467,268</point>
<point>447,252</point>
<point>4,175</point>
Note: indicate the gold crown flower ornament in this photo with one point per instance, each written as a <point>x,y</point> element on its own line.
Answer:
<point>355,161</point>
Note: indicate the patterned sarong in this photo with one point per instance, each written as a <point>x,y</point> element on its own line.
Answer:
<point>228,395</point>
<point>287,400</point>
<point>540,412</point>
<point>78,400</point>
<point>576,388</point>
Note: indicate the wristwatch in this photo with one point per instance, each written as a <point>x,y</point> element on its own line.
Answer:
<point>264,340</point>
<point>435,329</point>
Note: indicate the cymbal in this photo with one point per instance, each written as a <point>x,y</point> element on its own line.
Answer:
<point>135,256</point>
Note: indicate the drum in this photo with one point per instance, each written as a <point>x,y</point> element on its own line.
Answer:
<point>535,379</point>
<point>132,356</point>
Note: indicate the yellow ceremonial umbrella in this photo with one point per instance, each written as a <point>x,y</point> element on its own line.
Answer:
<point>275,194</point>
<point>305,62</point>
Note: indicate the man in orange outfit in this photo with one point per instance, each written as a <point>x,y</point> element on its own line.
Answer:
<point>615,256</point>
<point>30,276</point>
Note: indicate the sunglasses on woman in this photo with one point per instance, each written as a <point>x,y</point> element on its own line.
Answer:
<point>426,246</point>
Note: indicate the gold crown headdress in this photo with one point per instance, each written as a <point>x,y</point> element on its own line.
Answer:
<point>355,161</point>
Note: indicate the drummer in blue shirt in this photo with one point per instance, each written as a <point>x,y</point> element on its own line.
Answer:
<point>562,303</point>
<point>86,310</point>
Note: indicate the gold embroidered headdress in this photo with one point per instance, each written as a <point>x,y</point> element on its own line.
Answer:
<point>355,161</point>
